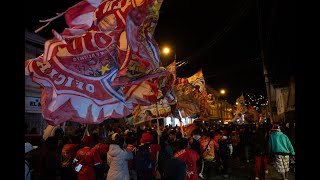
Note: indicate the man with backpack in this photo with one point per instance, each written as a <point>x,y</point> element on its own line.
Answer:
<point>195,145</point>
<point>145,157</point>
<point>207,147</point>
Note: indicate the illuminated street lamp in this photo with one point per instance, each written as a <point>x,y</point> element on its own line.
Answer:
<point>222,91</point>
<point>166,50</point>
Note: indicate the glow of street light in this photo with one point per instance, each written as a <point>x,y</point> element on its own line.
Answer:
<point>166,50</point>
<point>222,91</point>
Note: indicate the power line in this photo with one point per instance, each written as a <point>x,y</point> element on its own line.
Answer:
<point>227,27</point>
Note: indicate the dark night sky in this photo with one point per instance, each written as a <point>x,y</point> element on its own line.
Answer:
<point>219,37</point>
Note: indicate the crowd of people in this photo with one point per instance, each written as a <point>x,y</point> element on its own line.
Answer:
<point>133,153</point>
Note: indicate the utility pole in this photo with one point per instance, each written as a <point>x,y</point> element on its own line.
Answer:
<point>266,80</point>
<point>265,72</point>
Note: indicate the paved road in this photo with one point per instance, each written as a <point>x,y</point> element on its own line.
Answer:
<point>243,171</point>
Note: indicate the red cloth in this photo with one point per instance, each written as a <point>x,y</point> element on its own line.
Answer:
<point>190,157</point>
<point>154,148</point>
<point>258,160</point>
<point>102,149</point>
<point>146,137</point>
<point>88,158</point>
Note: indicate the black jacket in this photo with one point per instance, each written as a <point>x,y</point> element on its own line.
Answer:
<point>261,143</point>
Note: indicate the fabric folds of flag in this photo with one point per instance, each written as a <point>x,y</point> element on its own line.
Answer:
<point>187,129</point>
<point>79,66</point>
<point>167,83</point>
<point>191,95</point>
<point>241,108</point>
<point>197,81</point>
<point>140,59</point>
<point>80,17</point>
<point>68,95</point>
<point>146,113</point>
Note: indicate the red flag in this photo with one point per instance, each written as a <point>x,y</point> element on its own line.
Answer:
<point>76,72</point>
<point>187,129</point>
<point>68,95</point>
<point>139,52</point>
<point>80,17</point>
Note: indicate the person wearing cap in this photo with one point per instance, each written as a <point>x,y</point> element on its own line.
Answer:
<point>282,149</point>
<point>147,140</point>
<point>86,159</point>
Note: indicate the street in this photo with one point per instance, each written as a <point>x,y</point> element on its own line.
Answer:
<point>243,171</point>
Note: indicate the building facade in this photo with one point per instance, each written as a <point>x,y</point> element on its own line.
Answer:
<point>33,118</point>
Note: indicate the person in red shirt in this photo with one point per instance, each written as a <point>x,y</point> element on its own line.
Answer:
<point>68,153</point>
<point>207,149</point>
<point>86,159</point>
<point>102,149</point>
<point>190,157</point>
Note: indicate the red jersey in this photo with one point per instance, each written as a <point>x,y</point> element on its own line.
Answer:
<point>207,148</point>
<point>154,148</point>
<point>88,158</point>
<point>190,157</point>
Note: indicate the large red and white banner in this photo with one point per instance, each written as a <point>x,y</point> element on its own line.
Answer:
<point>91,74</point>
<point>191,95</point>
<point>197,81</point>
<point>166,98</point>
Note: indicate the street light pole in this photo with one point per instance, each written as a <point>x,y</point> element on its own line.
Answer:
<point>221,111</point>
<point>222,92</point>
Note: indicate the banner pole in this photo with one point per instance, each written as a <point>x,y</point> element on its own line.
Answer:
<point>86,131</point>
<point>180,120</point>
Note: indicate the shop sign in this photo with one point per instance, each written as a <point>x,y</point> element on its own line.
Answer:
<point>32,104</point>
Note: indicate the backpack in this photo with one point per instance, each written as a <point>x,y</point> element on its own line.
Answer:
<point>165,153</point>
<point>224,150</point>
<point>142,159</point>
<point>195,145</point>
<point>30,169</point>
